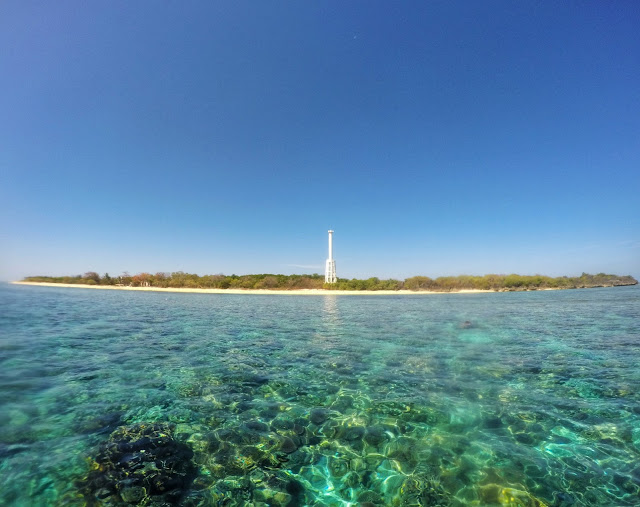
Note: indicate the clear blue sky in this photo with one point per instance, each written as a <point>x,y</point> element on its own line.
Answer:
<point>434,137</point>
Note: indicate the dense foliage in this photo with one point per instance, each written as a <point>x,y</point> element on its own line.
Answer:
<point>315,281</point>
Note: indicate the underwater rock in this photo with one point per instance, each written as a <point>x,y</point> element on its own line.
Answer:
<point>189,390</point>
<point>288,445</point>
<point>254,380</point>
<point>369,498</point>
<point>232,491</point>
<point>375,435</point>
<point>243,406</point>
<point>494,493</point>
<point>338,466</point>
<point>282,490</point>
<point>10,450</point>
<point>238,437</point>
<point>390,408</point>
<point>318,416</point>
<point>199,442</point>
<point>420,489</point>
<point>343,403</point>
<point>295,489</point>
<point>493,423</point>
<point>299,459</point>
<point>134,494</point>
<point>103,423</point>
<point>301,421</point>
<point>331,430</point>
<point>404,452</point>
<point>203,482</point>
<point>140,463</point>
<point>352,480</point>
<point>281,424</point>
<point>562,498</point>
<point>271,497</point>
<point>354,433</point>
<point>271,410</point>
<point>525,438</point>
<point>257,426</point>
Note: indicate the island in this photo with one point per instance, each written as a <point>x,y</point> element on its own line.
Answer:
<point>314,284</point>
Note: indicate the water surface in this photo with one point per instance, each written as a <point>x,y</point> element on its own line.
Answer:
<point>463,399</point>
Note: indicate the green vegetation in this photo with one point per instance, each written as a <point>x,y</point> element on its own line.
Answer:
<point>287,282</point>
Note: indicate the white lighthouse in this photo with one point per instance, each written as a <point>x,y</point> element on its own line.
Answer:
<point>330,270</point>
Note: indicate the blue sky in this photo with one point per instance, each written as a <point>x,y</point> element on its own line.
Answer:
<point>435,138</point>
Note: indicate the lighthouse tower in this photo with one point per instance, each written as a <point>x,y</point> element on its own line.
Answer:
<point>330,270</point>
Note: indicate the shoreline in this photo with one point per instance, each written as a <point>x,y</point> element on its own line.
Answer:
<point>264,292</point>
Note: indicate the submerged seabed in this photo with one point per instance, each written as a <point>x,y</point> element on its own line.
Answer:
<point>487,399</point>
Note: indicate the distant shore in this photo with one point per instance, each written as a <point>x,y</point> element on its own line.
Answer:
<point>284,292</point>
<point>266,283</point>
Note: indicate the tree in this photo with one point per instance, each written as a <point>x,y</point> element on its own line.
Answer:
<point>418,282</point>
<point>92,275</point>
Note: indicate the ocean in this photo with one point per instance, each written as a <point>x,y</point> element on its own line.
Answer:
<point>114,397</point>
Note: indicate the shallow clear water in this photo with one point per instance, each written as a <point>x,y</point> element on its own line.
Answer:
<point>463,399</point>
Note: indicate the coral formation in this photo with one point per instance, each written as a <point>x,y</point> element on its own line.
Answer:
<point>140,464</point>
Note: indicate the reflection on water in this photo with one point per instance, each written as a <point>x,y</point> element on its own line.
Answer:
<point>489,399</point>
<point>331,309</point>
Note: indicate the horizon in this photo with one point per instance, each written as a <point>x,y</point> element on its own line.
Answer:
<point>441,138</point>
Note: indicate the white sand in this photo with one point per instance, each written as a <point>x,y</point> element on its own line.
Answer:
<point>296,292</point>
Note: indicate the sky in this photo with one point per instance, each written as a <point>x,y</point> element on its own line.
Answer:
<point>435,138</point>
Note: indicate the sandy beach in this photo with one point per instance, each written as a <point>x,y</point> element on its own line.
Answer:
<point>297,292</point>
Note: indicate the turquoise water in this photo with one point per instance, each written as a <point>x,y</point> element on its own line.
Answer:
<point>197,399</point>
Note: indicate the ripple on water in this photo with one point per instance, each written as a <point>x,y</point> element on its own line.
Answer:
<point>492,399</point>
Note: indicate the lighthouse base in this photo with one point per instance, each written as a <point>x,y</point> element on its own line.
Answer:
<point>330,272</point>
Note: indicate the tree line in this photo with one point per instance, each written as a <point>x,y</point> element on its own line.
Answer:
<point>179,279</point>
